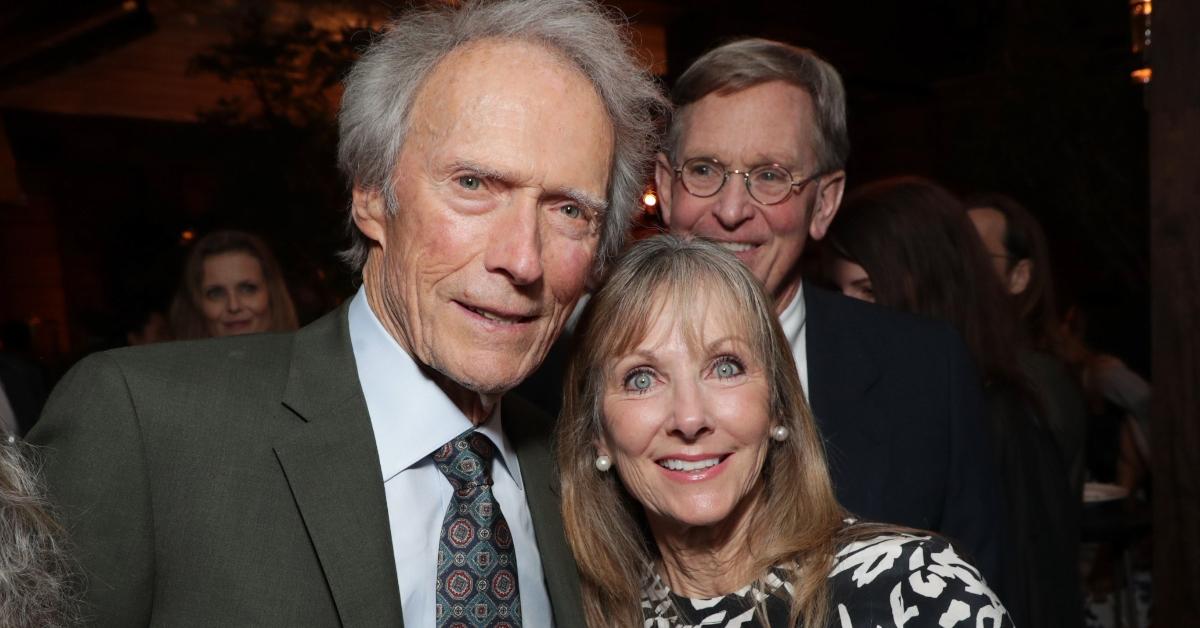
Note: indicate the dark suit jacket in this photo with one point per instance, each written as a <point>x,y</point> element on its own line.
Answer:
<point>899,403</point>
<point>236,482</point>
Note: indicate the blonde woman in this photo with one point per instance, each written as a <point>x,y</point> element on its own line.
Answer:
<point>231,285</point>
<point>695,490</point>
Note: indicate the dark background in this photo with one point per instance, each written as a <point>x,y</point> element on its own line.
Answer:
<point>1033,99</point>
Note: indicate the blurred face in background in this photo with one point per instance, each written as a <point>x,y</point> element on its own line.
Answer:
<point>233,295</point>
<point>992,226</point>
<point>852,280</point>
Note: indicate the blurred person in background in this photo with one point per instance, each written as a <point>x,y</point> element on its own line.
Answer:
<point>231,285</point>
<point>1118,406</point>
<point>907,243</point>
<point>1016,245</point>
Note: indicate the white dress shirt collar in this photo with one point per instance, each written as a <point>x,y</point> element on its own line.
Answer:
<point>793,321</point>
<point>391,381</point>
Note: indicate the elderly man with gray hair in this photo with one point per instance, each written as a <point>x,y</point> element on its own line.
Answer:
<point>367,470</point>
<point>754,160</point>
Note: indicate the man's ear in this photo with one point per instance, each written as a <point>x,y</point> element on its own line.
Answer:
<point>1020,276</point>
<point>370,214</point>
<point>664,176</point>
<point>829,197</point>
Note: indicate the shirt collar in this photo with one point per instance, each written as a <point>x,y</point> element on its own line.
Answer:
<point>410,414</point>
<point>794,316</point>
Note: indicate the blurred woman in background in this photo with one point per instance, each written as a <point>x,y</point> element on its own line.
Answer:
<point>231,285</point>
<point>907,243</point>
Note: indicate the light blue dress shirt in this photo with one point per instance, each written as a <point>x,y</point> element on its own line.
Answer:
<point>412,417</point>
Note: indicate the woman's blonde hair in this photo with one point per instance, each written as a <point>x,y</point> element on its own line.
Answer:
<point>798,518</point>
<point>187,315</point>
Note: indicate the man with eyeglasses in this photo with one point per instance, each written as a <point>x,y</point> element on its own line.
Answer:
<point>753,160</point>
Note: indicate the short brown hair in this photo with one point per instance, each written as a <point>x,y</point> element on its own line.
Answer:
<point>745,63</point>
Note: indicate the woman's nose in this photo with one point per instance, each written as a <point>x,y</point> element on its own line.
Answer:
<point>689,419</point>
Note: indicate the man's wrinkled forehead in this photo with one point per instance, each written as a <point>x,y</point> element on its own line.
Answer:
<point>788,135</point>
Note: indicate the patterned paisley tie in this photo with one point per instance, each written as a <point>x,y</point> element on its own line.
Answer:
<point>477,566</point>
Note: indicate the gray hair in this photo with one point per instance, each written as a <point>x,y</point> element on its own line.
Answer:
<point>748,62</point>
<point>382,86</point>
<point>38,582</point>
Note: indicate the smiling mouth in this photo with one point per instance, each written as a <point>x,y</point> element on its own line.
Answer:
<point>675,464</point>
<point>737,247</point>
<point>496,317</point>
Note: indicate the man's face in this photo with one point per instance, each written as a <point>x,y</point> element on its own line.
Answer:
<point>498,187</point>
<point>992,225</point>
<point>771,123</point>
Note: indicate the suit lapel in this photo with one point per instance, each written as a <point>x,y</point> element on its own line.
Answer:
<point>529,432</point>
<point>332,466</point>
<point>842,368</point>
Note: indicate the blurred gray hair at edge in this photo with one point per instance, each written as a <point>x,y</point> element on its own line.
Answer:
<point>40,586</point>
<point>382,86</point>
<point>745,63</point>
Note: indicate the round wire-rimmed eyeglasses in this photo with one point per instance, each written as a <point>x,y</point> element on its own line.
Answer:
<point>769,184</point>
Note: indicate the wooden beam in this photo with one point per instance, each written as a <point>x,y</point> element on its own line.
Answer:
<point>1174,100</point>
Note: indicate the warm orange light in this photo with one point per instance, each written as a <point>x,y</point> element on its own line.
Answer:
<point>649,199</point>
<point>1141,76</point>
<point>188,235</point>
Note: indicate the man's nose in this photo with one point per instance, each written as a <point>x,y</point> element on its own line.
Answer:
<point>734,203</point>
<point>689,417</point>
<point>515,246</point>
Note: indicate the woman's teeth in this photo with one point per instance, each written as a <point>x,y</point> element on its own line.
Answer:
<point>688,465</point>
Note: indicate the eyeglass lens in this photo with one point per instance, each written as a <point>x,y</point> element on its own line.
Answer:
<point>705,177</point>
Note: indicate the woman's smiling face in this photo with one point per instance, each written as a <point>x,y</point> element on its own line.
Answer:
<point>686,415</point>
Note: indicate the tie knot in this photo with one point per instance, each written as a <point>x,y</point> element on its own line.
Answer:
<point>466,461</point>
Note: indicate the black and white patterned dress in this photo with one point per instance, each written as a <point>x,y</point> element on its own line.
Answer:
<point>888,581</point>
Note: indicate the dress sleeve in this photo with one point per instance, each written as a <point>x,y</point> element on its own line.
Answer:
<point>911,581</point>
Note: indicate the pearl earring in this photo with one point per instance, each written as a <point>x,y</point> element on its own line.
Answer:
<point>603,463</point>
<point>779,433</point>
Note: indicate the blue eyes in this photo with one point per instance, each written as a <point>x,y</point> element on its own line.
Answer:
<point>727,368</point>
<point>642,379</point>
<point>476,183</point>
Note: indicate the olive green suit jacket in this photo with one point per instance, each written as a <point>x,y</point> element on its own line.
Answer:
<point>236,482</point>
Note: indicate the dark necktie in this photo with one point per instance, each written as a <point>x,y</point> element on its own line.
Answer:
<point>477,566</point>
